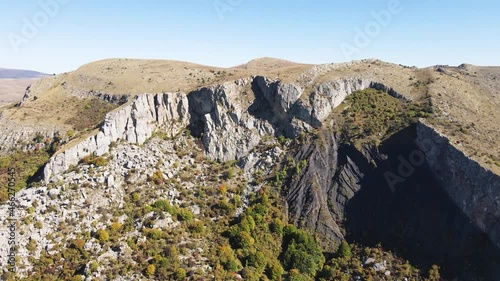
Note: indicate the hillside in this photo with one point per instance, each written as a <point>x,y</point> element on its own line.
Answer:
<point>166,170</point>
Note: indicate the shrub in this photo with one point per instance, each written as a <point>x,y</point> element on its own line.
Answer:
<point>228,260</point>
<point>223,189</point>
<point>229,173</point>
<point>78,244</point>
<point>275,270</point>
<point>184,215</point>
<point>434,274</point>
<point>197,227</point>
<point>180,274</point>
<point>93,266</point>
<point>344,250</point>
<point>31,246</point>
<point>295,275</point>
<point>150,270</point>
<point>102,235</point>
<point>154,234</point>
<point>281,139</point>
<point>250,273</point>
<point>277,227</point>
<point>157,177</point>
<point>244,240</point>
<point>136,197</point>
<point>97,161</point>
<point>115,226</point>
<point>164,206</point>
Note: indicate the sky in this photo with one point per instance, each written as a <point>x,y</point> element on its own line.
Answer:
<point>55,36</point>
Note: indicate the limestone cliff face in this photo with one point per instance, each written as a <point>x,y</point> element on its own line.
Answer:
<point>134,123</point>
<point>473,188</point>
<point>220,115</point>
<point>230,118</point>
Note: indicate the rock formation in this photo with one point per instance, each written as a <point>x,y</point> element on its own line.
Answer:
<point>134,122</point>
<point>473,188</point>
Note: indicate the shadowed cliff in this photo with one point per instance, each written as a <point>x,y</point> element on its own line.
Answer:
<point>343,188</point>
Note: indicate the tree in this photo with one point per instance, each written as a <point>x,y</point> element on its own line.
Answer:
<point>275,270</point>
<point>344,250</point>
<point>302,252</point>
<point>228,260</point>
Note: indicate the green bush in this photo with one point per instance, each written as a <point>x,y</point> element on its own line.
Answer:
<point>164,205</point>
<point>180,274</point>
<point>302,252</point>
<point>102,235</point>
<point>184,215</point>
<point>275,270</point>
<point>228,259</point>
<point>150,270</point>
<point>344,250</point>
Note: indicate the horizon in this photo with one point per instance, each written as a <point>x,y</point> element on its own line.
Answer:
<point>56,36</point>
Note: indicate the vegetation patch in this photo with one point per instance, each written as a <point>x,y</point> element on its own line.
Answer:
<point>90,114</point>
<point>97,161</point>
<point>25,165</point>
<point>372,115</point>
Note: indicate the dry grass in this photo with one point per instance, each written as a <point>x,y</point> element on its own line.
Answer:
<point>469,104</point>
<point>90,114</point>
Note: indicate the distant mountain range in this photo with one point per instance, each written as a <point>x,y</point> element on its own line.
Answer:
<point>20,74</point>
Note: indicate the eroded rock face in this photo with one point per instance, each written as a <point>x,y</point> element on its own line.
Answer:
<point>231,118</point>
<point>317,197</point>
<point>134,123</point>
<point>222,119</point>
<point>473,188</point>
<point>280,96</point>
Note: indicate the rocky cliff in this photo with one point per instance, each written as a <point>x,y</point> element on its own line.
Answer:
<point>473,188</point>
<point>135,122</point>
<point>231,118</point>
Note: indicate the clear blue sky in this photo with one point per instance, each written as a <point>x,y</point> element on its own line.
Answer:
<point>230,32</point>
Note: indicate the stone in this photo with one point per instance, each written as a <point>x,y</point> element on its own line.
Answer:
<point>110,181</point>
<point>369,261</point>
<point>381,266</point>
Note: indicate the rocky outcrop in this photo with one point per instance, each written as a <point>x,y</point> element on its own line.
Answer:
<point>280,96</point>
<point>134,123</point>
<point>317,196</point>
<point>27,95</point>
<point>23,137</point>
<point>230,118</point>
<point>221,116</point>
<point>473,188</point>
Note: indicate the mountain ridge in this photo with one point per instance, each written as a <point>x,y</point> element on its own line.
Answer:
<point>321,135</point>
